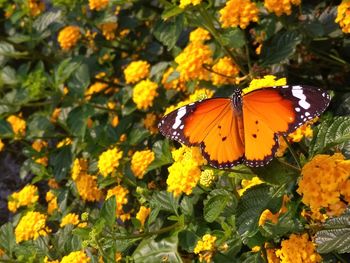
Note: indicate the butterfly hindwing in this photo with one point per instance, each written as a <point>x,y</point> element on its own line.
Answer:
<point>274,111</point>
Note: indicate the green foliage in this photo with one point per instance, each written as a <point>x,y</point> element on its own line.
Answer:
<point>76,104</point>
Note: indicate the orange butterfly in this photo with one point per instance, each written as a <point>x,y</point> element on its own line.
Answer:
<point>244,128</point>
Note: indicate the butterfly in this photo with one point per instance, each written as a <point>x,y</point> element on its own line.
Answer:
<point>244,128</point>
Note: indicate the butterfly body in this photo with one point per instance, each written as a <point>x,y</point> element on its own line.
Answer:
<point>244,128</point>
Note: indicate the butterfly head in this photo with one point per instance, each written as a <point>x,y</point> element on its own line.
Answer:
<point>237,100</point>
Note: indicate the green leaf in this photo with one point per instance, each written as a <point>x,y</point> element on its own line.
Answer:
<point>280,47</point>
<point>165,201</point>
<point>253,202</point>
<point>61,160</point>
<point>7,238</point>
<point>168,32</point>
<point>108,211</point>
<point>151,250</point>
<point>46,19</point>
<point>80,80</point>
<point>65,69</point>
<point>251,257</point>
<point>39,126</point>
<point>136,136</point>
<point>331,133</point>
<point>336,235</point>
<point>162,154</point>
<point>7,50</point>
<point>5,129</point>
<point>171,11</point>
<point>276,173</point>
<point>233,37</point>
<point>77,119</point>
<point>8,76</point>
<point>215,204</point>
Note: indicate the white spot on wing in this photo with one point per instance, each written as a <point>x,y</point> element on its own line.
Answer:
<point>180,113</point>
<point>297,92</point>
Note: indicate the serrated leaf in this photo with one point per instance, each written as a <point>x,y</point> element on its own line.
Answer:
<point>137,135</point>
<point>330,133</point>
<point>46,19</point>
<point>280,47</point>
<point>108,211</point>
<point>39,126</point>
<point>276,173</point>
<point>162,154</point>
<point>151,250</point>
<point>5,129</point>
<point>165,201</point>
<point>80,80</point>
<point>336,235</point>
<point>168,32</point>
<point>64,70</point>
<point>7,238</point>
<point>253,202</point>
<point>77,120</point>
<point>215,204</point>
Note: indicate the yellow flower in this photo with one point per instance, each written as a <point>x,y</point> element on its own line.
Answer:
<point>55,115</point>
<point>118,256</point>
<point>36,7</point>
<point>281,7</point>
<point>115,120</point>
<point>207,177</point>
<point>136,71</point>
<point>98,4</point>
<point>70,218</point>
<point>140,162</point>
<point>95,88</point>
<point>79,166</point>
<point>51,200</point>
<point>120,194</point>
<point>150,123</point>
<point>298,249</point>
<point>343,16</point>
<point>303,131</point>
<point>184,3</point>
<point>76,257</point>
<point>108,30</point>
<point>142,214</point>
<point>200,35</point>
<point>266,81</point>
<point>47,260</point>
<point>64,142</point>
<point>185,172</point>
<point>144,93</point>
<point>2,145</point>
<point>246,184</point>
<point>227,71</point>
<point>18,125</point>
<point>25,197</point>
<point>205,247</point>
<point>191,60</point>
<point>323,181</point>
<point>108,161</point>
<point>38,145</point>
<point>53,184</point>
<point>31,226</point>
<point>239,13</point>
<point>87,187</point>
<point>68,37</point>
<point>176,84</point>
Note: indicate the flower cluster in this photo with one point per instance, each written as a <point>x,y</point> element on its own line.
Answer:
<point>205,248</point>
<point>246,184</point>
<point>224,72</point>
<point>68,37</point>
<point>98,4</point>
<point>108,161</point>
<point>298,249</point>
<point>144,93</point>
<point>199,35</point>
<point>142,214</point>
<point>184,3</point>
<point>324,180</point>
<point>281,7</point>
<point>207,177</point>
<point>38,146</point>
<point>51,200</point>
<point>136,71</point>
<point>72,219</point>
<point>185,172</point>
<point>343,16</point>
<point>26,197</point>
<point>36,7</point>
<point>109,30</point>
<point>150,123</point>
<point>76,257</point>
<point>170,82</point>
<point>239,13</point>
<point>266,81</point>
<point>120,194</point>
<point>95,88</point>
<point>18,125</point>
<point>31,226</point>
<point>140,162</point>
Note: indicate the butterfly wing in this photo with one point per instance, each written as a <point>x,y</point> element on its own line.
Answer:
<point>273,111</point>
<point>214,125</point>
